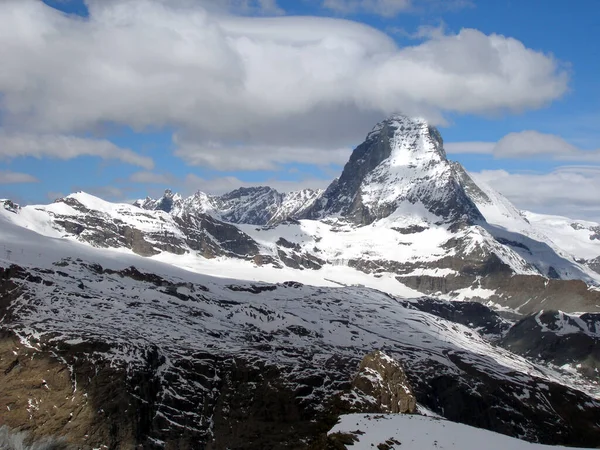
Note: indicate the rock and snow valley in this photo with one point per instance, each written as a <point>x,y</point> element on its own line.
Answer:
<point>408,305</point>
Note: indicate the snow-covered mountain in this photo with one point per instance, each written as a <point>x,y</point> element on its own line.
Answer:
<point>400,170</point>
<point>580,238</point>
<point>255,205</point>
<point>400,218</point>
<point>113,350</point>
<point>240,320</point>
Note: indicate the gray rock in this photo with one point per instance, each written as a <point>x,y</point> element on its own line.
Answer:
<point>383,378</point>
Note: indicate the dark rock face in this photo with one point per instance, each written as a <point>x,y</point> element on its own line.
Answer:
<point>473,315</point>
<point>558,338</point>
<point>594,264</point>
<point>213,238</point>
<point>382,378</point>
<point>10,206</point>
<point>255,205</point>
<point>341,197</point>
<point>471,189</point>
<point>496,404</point>
<point>65,393</point>
<point>202,233</point>
<point>299,260</point>
<point>595,231</point>
<point>524,293</point>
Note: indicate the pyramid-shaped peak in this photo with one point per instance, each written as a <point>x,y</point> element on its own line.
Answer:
<point>402,163</point>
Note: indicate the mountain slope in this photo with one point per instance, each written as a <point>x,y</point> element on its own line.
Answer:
<point>578,237</point>
<point>532,242</point>
<point>148,354</point>
<point>423,433</point>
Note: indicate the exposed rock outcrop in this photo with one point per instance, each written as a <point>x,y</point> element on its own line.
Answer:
<point>382,378</point>
<point>559,338</point>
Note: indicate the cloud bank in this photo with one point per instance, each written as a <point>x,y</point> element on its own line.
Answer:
<point>527,145</point>
<point>8,177</point>
<point>570,191</point>
<point>14,145</point>
<point>303,82</point>
<point>391,8</point>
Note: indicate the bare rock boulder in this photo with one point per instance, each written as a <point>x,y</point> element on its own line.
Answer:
<point>382,378</point>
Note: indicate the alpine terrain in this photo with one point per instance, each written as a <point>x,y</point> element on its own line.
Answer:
<point>258,319</point>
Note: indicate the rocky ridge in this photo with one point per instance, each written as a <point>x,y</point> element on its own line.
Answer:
<point>255,205</point>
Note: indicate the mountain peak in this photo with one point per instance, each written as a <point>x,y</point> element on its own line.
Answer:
<point>401,162</point>
<point>398,121</point>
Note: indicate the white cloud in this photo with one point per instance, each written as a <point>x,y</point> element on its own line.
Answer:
<point>266,7</point>
<point>261,6</point>
<point>570,191</point>
<point>218,185</point>
<point>391,8</point>
<point>530,144</point>
<point>303,82</point>
<point>221,185</point>
<point>152,178</point>
<point>254,157</point>
<point>15,145</point>
<point>422,32</point>
<point>527,144</point>
<point>8,177</point>
<point>387,8</point>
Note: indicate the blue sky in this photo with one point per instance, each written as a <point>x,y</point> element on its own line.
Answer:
<point>207,95</point>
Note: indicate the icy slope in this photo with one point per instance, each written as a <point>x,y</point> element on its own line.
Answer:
<point>552,252</point>
<point>424,433</point>
<point>578,237</point>
<point>388,254</point>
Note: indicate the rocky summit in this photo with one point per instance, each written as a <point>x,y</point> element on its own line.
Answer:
<point>256,319</point>
<point>400,169</point>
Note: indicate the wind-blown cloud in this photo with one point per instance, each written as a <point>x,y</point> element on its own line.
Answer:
<point>8,177</point>
<point>220,185</point>
<point>387,8</point>
<point>570,191</point>
<point>14,145</point>
<point>531,144</point>
<point>260,81</point>
<point>527,144</point>
<point>234,157</point>
<point>390,8</point>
